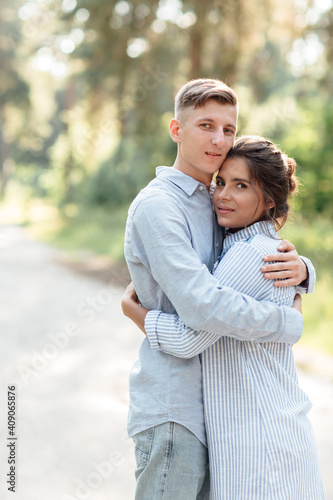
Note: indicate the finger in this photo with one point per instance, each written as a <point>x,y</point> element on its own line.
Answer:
<point>276,256</point>
<point>286,246</point>
<point>282,275</point>
<point>281,267</point>
<point>286,282</point>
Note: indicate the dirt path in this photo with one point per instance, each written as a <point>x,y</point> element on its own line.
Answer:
<point>68,350</point>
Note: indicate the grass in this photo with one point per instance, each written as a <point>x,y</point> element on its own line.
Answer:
<point>96,230</point>
<point>78,230</point>
<point>86,231</point>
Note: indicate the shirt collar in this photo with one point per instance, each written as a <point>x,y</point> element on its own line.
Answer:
<point>183,181</point>
<point>261,227</point>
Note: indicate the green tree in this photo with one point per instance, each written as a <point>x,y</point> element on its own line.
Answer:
<point>14,91</point>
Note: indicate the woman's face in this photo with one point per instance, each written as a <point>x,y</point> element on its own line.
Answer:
<point>237,202</point>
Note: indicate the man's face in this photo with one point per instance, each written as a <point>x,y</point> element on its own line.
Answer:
<point>204,136</point>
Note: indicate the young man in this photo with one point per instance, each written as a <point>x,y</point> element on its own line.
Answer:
<point>171,241</point>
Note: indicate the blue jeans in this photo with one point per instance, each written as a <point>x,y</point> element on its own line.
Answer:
<point>172,464</point>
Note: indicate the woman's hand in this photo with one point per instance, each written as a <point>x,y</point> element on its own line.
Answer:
<point>129,296</point>
<point>132,308</point>
<point>289,266</point>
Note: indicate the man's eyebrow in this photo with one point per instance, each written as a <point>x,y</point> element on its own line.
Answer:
<point>203,119</point>
<point>211,120</point>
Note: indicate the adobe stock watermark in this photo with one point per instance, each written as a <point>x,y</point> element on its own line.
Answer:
<point>283,116</point>
<point>101,471</point>
<point>323,252</point>
<point>57,342</point>
<point>89,141</point>
<point>35,18</point>
<point>4,240</point>
<point>7,238</point>
<point>224,5</point>
<point>150,81</point>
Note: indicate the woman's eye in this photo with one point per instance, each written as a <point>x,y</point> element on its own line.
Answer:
<point>241,186</point>
<point>220,183</point>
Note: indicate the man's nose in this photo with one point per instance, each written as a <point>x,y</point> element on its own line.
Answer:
<point>218,139</point>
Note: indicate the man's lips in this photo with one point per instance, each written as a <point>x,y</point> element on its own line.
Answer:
<point>212,154</point>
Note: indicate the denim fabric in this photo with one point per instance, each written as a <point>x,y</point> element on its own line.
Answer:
<point>172,464</point>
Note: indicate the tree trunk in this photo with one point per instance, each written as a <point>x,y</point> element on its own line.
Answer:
<point>197,36</point>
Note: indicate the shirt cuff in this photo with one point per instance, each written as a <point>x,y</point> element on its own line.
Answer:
<point>294,325</point>
<point>151,321</point>
<point>309,288</point>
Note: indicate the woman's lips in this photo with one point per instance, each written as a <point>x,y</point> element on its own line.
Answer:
<point>225,210</point>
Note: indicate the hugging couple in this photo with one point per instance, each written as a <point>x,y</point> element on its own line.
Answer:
<point>216,411</point>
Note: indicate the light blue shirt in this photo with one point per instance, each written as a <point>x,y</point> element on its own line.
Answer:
<point>171,240</point>
<point>260,441</point>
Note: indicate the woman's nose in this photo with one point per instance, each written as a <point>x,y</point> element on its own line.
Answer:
<point>224,194</point>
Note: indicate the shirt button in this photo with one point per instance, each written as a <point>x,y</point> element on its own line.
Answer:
<point>217,245</point>
<point>252,340</point>
<point>200,188</point>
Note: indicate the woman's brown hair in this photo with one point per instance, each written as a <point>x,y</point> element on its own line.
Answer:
<point>272,171</point>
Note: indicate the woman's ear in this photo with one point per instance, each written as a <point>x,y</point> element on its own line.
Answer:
<point>174,128</point>
<point>271,205</point>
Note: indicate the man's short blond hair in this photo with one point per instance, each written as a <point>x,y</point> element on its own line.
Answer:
<point>196,93</point>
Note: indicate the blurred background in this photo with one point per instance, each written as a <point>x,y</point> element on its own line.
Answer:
<point>86,96</point>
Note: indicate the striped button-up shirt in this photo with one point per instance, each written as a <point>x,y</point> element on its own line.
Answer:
<point>171,239</point>
<point>260,441</point>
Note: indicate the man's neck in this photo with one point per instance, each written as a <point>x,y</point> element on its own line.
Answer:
<point>203,177</point>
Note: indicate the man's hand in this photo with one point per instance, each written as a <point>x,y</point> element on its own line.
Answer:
<point>289,266</point>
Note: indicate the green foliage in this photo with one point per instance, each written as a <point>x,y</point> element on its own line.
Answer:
<point>129,60</point>
<point>96,230</point>
<point>132,165</point>
<point>314,239</point>
<point>96,130</point>
<point>318,316</point>
<point>309,141</point>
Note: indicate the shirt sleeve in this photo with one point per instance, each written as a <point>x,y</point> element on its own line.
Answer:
<point>239,269</point>
<point>311,279</point>
<point>199,299</point>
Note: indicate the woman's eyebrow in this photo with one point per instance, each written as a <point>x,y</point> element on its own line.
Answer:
<point>241,180</point>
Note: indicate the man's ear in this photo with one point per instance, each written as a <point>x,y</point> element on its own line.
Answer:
<point>174,128</point>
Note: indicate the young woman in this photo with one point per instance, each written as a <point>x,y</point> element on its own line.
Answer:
<point>260,442</point>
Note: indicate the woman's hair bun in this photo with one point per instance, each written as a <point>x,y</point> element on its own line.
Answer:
<point>291,167</point>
